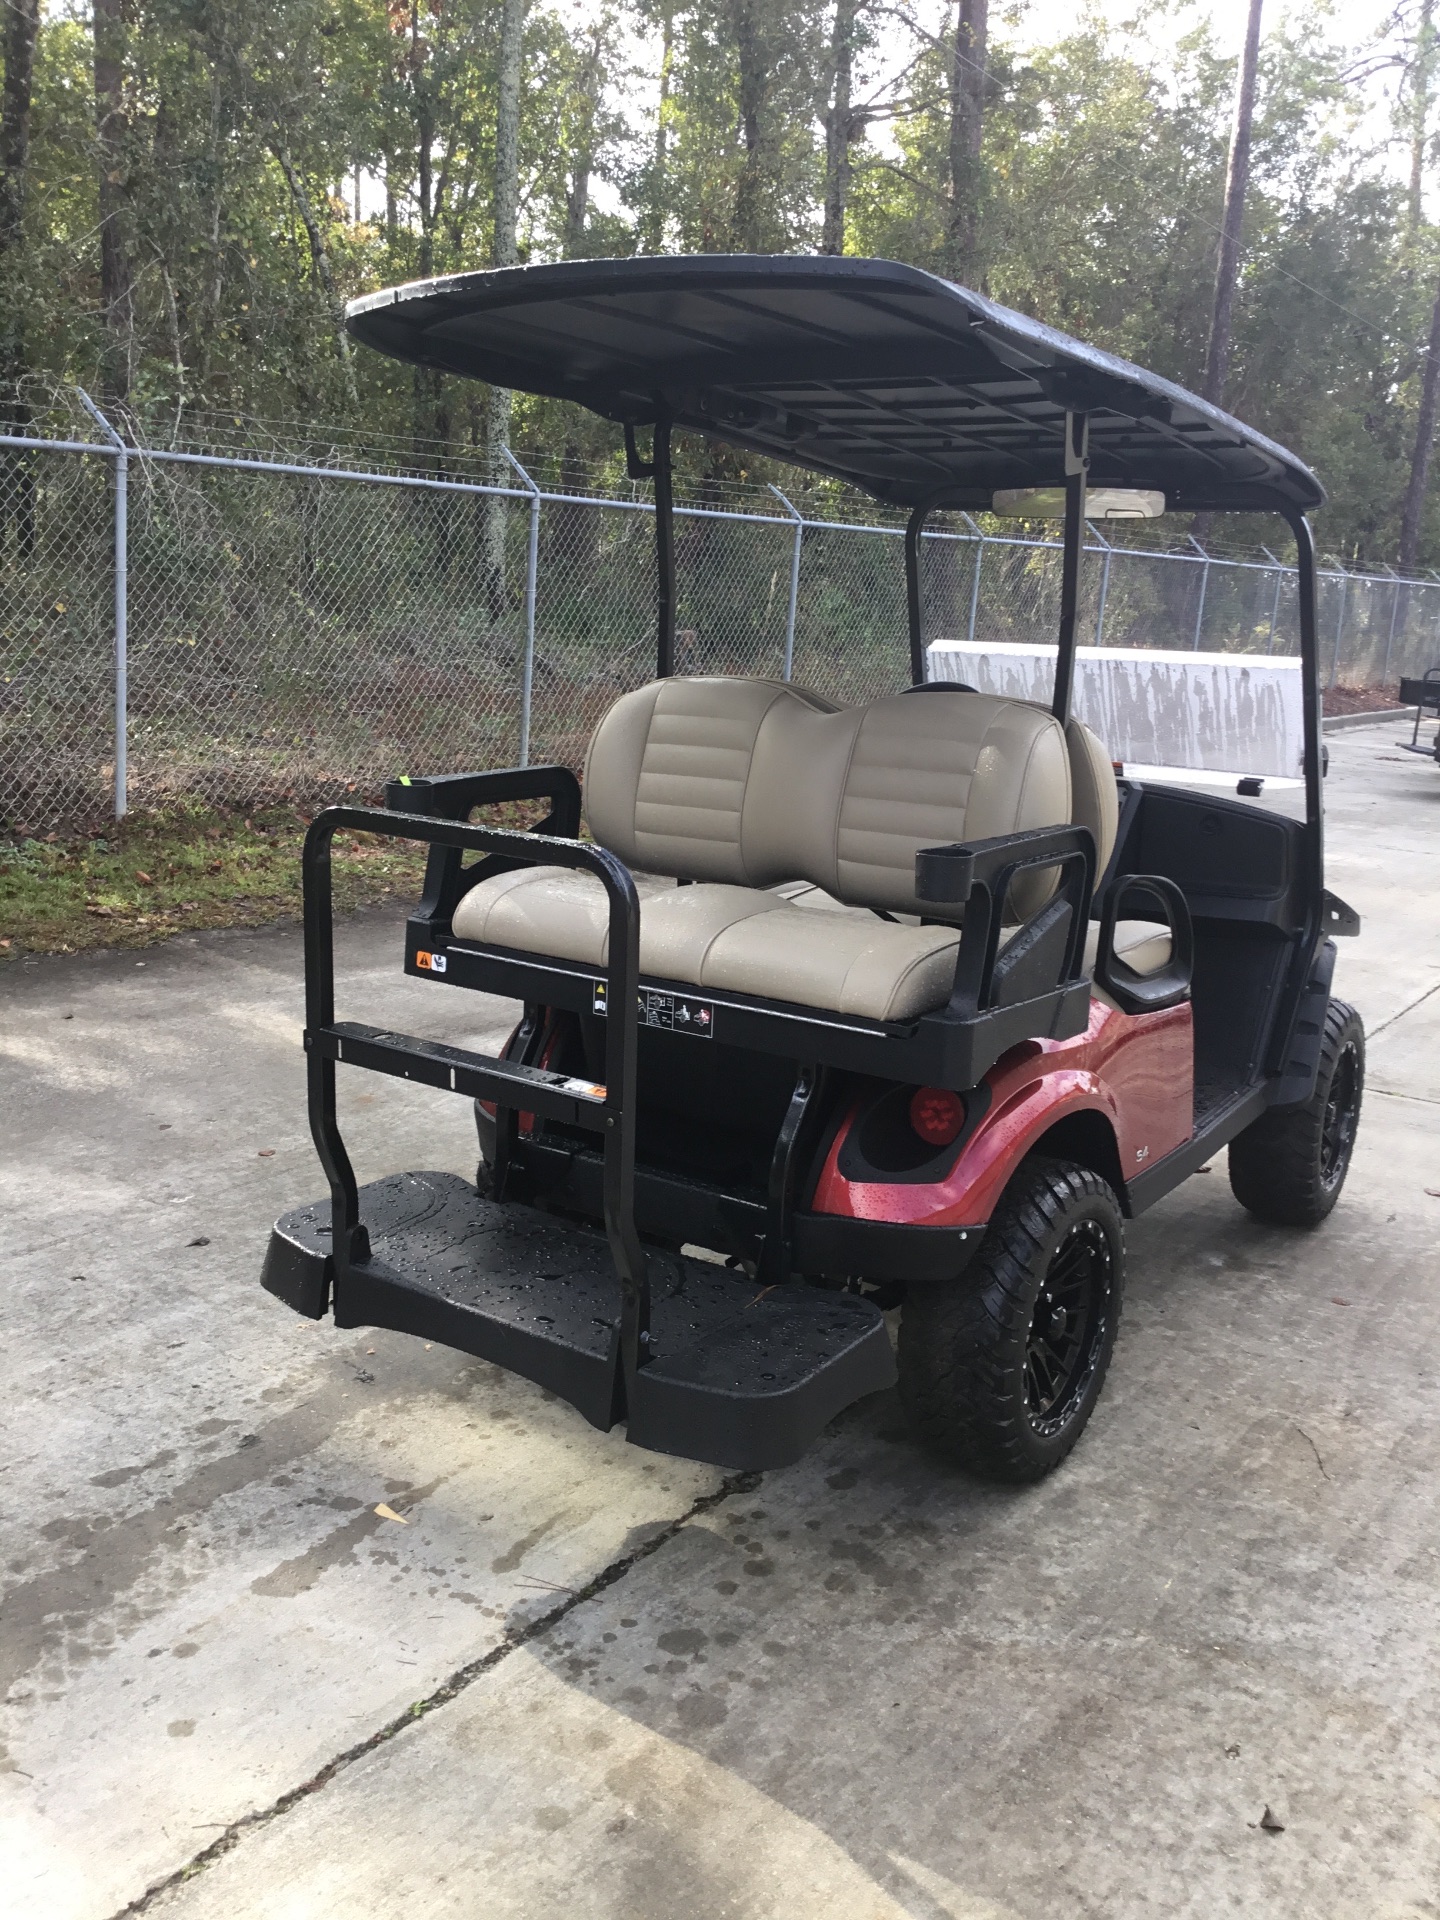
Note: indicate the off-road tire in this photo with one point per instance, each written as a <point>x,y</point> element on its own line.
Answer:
<point>1289,1166</point>
<point>967,1353</point>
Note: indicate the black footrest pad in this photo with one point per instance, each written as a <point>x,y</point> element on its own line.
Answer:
<point>739,1376</point>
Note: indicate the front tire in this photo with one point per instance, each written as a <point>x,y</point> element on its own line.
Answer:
<point>1000,1370</point>
<point>1289,1166</point>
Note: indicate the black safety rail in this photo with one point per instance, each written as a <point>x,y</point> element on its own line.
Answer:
<point>608,1109</point>
<point>1424,695</point>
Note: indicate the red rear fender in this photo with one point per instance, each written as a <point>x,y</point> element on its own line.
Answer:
<point>1117,1098</point>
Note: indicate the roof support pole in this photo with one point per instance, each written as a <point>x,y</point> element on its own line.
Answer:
<point>1077,460</point>
<point>657,468</point>
<point>914,527</point>
<point>664,551</point>
<point>1310,680</point>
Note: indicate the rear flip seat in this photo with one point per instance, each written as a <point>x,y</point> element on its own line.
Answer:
<point>743,785</point>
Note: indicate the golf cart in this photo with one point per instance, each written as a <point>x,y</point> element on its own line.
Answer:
<point>929,1003</point>
<point>1424,695</point>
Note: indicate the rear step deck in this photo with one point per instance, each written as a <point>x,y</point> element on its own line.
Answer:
<point>739,1376</point>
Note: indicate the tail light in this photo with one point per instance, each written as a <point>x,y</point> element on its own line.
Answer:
<point>937,1115</point>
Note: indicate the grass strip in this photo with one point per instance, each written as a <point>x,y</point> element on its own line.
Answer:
<point>182,869</point>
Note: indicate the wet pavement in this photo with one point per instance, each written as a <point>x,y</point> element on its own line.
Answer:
<point>573,1677</point>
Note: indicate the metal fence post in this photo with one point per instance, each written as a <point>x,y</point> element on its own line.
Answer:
<point>532,558</point>
<point>1204,583</point>
<point>975,581</point>
<point>1275,601</point>
<point>122,602</point>
<point>1104,580</point>
<point>795,515</point>
<point>1390,637</point>
<point>1339,631</point>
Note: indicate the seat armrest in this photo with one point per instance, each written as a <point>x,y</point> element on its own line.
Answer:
<point>947,876</point>
<point>972,881</point>
<point>1169,985</point>
<point>452,796</point>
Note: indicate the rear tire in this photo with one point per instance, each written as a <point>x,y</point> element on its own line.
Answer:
<point>1289,1166</point>
<point>1000,1370</point>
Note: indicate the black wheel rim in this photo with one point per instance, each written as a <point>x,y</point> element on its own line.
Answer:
<point>1068,1326</point>
<point>1342,1112</point>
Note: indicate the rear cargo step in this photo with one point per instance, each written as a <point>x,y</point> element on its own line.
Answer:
<point>737,1375</point>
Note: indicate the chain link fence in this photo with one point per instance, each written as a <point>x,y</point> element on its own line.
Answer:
<point>238,630</point>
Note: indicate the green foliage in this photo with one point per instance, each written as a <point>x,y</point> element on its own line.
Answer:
<point>180,870</point>
<point>280,157</point>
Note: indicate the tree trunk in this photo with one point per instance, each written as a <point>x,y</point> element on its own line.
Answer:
<point>1237,179</point>
<point>208,321</point>
<point>320,259</point>
<point>750,189</point>
<point>1420,76</point>
<point>17,485</point>
<point>838,129</point>
<point>582,163</point>
<point>1414,509</point>
<point>968,87</point>
<point>22,26</point>
<point>116,294</point>
<point>504,252</point>
<point>652,231</point>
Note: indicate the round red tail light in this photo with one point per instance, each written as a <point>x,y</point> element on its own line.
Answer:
<point>937,1115</point>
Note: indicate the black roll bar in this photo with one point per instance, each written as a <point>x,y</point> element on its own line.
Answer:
<point>658,468</point>
<point>1310,676</point>
<point>1077,462</point>
<point>324,1042</point>
<point>914,527</point>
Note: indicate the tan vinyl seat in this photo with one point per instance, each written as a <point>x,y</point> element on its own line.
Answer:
<point>745,785</point>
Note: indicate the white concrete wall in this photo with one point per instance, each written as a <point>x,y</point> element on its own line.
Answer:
<point>1228,712</point>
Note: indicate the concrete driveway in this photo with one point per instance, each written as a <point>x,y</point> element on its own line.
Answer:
<point>576,1678</point>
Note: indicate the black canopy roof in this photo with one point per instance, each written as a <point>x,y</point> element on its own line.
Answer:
<point>878,373</point>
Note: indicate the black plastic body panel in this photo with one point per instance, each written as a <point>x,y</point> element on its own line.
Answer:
<point>826,1243</point>
<point>1249,879</point>
<point>1231,861</point>
<point>941,1049</point>
<point>685,1212</point>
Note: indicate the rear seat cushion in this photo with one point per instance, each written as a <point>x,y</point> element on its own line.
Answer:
<point>848,963</point>
<point>735,939</point>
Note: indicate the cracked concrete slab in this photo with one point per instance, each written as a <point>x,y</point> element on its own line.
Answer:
<point>861,1687</point>
<point>202,1605</point>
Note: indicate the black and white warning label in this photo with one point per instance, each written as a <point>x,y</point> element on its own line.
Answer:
<point>675,1012</point>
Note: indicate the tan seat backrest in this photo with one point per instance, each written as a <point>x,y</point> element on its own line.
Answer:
<point>1096,797</point>
<point>668,768</point>
<point>847,799</point>
<point>754,782</point>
